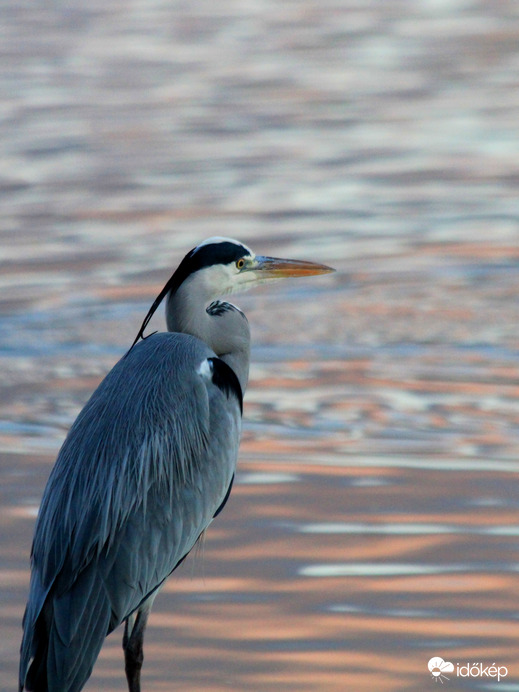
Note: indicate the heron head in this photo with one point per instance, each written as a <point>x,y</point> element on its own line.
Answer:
<point>227,266</point>
<point>219,266</point>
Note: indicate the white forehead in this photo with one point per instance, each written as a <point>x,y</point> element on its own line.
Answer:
<point>221,239</point>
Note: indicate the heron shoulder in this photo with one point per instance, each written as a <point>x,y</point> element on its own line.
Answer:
<point>172,345</point>
<point>185,357</point>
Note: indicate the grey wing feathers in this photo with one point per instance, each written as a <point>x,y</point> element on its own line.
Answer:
<point>143,470</point>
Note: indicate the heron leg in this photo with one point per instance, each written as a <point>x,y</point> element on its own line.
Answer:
<point>133,648</point>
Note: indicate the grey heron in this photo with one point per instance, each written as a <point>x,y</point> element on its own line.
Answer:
<point>146,466</point>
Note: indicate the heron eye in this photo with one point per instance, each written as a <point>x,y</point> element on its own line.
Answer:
<point>240,263</point>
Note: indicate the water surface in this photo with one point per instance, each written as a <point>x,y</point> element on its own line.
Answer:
<point>375,518</point>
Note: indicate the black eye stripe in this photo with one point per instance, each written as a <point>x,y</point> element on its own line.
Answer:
<point>206,256</point>
<point>216,253</point>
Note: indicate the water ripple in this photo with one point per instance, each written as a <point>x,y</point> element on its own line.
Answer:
<point>388,569</point>
<point>404,529</point>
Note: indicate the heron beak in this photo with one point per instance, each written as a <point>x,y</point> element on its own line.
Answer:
<point>276,268</point>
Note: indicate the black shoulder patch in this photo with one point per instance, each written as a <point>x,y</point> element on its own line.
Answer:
<point>225,379</point>
<point>224,501</point>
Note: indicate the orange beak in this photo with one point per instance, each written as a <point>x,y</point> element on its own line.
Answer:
<point>276,268</point>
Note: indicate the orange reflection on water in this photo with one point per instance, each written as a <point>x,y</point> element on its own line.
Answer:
<point>242,615</point>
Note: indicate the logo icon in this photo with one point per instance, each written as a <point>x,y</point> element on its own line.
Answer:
<point>438,667</point>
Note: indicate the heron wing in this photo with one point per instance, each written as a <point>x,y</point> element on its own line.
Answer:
<point>143,470</point>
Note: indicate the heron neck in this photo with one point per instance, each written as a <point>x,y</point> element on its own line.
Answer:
<point>225,331</point>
